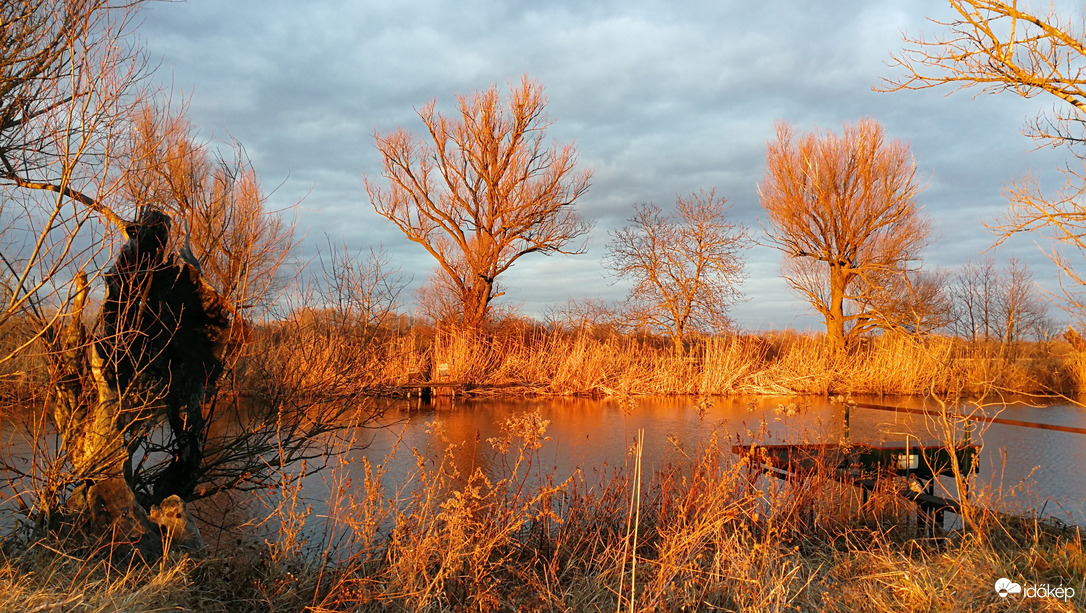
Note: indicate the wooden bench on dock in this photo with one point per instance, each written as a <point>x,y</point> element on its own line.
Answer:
<point>864,465</point>
<point>425,390</point>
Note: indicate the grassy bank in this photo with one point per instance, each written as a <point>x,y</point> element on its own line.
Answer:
<point>313,353</point>
<point>528,358</point>
<point>703,533</point>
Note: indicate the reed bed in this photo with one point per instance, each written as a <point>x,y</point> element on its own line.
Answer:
<point>539,360</point>
<point>703,532</point>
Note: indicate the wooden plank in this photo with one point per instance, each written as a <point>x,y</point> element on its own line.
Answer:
<point>431,384</point>
<point>804,460</point>
<point>980,418</point>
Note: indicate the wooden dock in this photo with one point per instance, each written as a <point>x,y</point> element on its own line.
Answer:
<point>426,389</point>
<point>864,466</point>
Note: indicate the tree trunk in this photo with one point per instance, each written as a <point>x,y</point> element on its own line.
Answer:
<point>476,304</point>
<point>162,330</point>
<point>677,342</point>
<point>835,314</point>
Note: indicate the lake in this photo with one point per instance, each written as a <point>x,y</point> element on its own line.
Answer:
<point>1026,469</point>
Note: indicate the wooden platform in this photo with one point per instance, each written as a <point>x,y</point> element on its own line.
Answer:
<point>429,389</point>
<point>865,465</point>
<point>426,389</point>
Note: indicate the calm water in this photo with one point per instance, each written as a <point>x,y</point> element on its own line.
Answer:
<point>1028,468</point>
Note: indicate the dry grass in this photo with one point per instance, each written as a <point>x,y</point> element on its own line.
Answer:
<point>533,359</point>
<point>704,533</point>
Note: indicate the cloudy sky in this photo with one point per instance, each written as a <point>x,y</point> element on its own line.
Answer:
<point>661,99</point>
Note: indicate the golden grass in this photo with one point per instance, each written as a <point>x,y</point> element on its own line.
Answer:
<point>312,356</point>
<point>703,533</point>
<point>541,361</point>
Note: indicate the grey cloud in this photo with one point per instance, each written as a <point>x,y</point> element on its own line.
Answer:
<point>660,98</point>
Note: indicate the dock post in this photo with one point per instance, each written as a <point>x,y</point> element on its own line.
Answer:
<point>847,418</point>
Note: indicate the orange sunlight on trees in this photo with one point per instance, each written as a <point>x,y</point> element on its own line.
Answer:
<point>218,203</point>
<point>685,267</point>
<point>842,208</point>
<point>483,190</point>
<point>68,77</point>
<point>1000,47</point>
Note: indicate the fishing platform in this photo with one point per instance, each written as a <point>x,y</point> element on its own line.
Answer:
<point>866,466</point>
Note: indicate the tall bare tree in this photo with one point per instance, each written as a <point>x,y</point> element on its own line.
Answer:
<point>686,267</point>
<point>1022,310</point>
<point>843,210</point>
<point>483,190</point>
<point>216,198</point>
<point>1000,47</point>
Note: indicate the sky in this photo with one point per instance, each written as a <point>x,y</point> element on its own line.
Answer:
<point>661,99</point>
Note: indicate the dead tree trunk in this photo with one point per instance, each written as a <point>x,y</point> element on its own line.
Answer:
<point>155,357</point>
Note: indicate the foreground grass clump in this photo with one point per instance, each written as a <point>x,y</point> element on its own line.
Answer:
<point>703,533</point>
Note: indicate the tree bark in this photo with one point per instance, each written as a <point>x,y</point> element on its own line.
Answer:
<point>835,315</point>
<point>161,333</point>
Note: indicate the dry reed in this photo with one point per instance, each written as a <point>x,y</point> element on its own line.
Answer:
<point>707,532</point>
<point>547,361</point>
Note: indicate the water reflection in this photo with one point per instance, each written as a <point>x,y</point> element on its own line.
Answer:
<point>1024,468</point>
<point>1027,468</point>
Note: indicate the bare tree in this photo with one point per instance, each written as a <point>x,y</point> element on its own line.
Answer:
<point>685,267</point>
<point>1001,304</point>
<point>588,315</point>
<point>362,292</point>
<point>133,400</point>
<point>439,299</point>
<point>1000,47</point>
<point>484,191</point>
<point>973,291</point>
<point>68,76</point>
<point>1022,310</point>
<point>914,302</point>
<point>843,210</point>
<point>224,224</point>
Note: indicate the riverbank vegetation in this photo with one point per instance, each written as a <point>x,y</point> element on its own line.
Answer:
<point>318,354</point>
<point>155,351</point>
<point>704,532</point>
<point>521,356</point>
